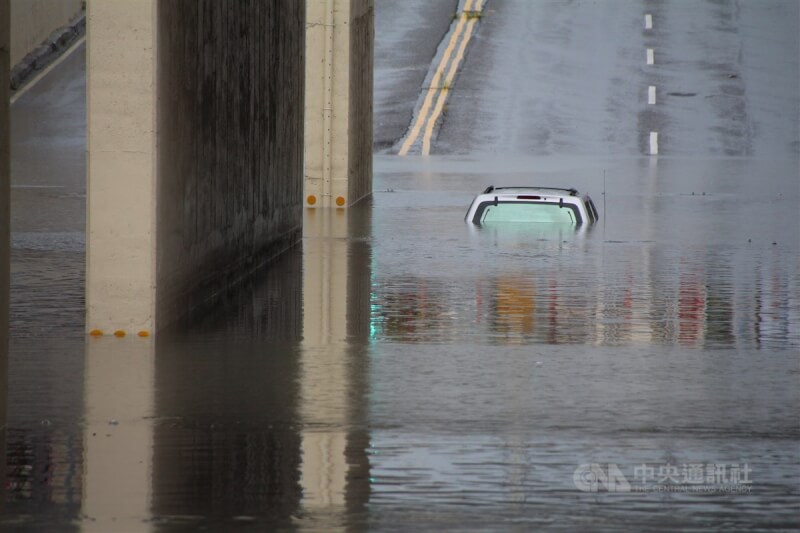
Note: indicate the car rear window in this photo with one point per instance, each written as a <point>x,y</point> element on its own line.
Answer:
<point>526,212</point>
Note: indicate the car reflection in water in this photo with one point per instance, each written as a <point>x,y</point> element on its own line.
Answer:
<point>538,300</point>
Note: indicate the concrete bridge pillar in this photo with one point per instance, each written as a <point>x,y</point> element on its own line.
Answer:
<point>5,220</point>
<point>195,135</point>
<point>338,122</point>
<point>121,166</point>
<point>5,171</point>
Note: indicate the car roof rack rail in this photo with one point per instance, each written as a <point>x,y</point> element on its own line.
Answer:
<point>572,191</point>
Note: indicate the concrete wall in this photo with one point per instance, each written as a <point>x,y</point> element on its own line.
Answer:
<point>33,20</point>
<point>5,221</point>
<point>338,151</point>
<point>231,87</point>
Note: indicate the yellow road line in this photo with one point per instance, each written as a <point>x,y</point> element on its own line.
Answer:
<point>423,112</point>
<point>443,94</point>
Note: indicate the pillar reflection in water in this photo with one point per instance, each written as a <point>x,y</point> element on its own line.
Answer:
<point>226,440</point>
<point>336,297</point>
<point>118,433</point>
<point>252,410</point>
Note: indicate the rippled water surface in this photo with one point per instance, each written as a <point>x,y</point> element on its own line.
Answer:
<point>403,370</point>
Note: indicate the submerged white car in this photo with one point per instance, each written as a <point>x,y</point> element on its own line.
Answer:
<point>532,204</point>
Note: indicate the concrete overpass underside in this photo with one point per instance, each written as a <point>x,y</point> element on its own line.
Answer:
<point>196,118</point>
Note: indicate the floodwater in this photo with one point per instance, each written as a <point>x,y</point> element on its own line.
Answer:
<point>403,370</point>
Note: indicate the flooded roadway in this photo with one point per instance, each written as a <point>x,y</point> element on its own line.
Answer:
<point>402,370</point>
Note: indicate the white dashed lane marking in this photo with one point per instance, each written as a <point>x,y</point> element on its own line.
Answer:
<point>653,143</point>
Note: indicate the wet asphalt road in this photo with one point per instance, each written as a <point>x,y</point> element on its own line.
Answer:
<point>555,78</point>
<point>48,192</point>
<point>406,37</point>
<point>404,371</point>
